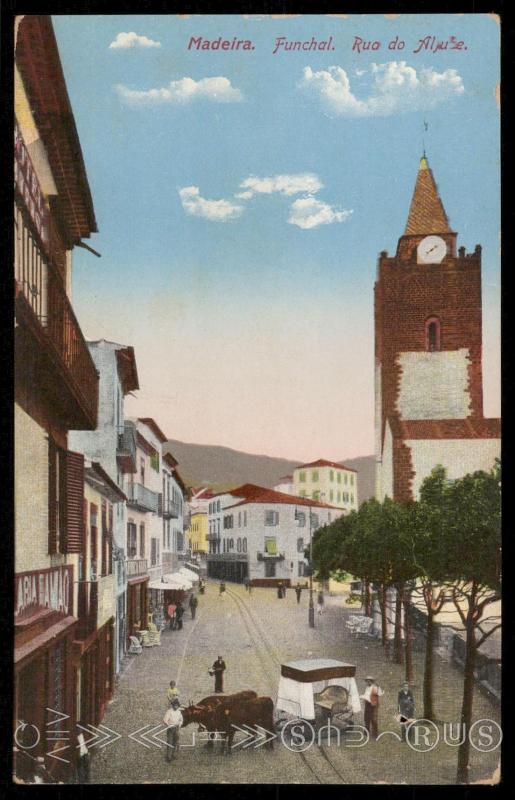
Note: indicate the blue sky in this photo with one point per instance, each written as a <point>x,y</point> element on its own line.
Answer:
<point>252,318</point>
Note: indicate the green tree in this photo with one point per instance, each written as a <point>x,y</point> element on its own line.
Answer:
<point>467,559</point>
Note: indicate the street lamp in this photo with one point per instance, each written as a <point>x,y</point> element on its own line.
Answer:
<point>311,607</point>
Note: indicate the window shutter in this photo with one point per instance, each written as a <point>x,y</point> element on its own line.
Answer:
<point>74,502</point>
<point>52,497</point>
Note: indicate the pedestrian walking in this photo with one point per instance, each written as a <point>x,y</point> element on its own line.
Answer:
<point>222,588</point>
<point>173,720</point>
<point>83,762</point>
<point>171,613</point>
<point>179,613</point>
<point>247,584</point>
<point>218,670</point>
<point>193,605</point>
<point>406,708</point>
<point>298,592</point>
<point>280,590</point>
<point>320,602</point>
<point>371,697</point>
<point>172,692</point>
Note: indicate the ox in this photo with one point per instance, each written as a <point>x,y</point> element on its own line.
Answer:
<point>225,719</point>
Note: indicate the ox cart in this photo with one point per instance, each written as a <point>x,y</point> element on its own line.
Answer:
<point>318,691</point>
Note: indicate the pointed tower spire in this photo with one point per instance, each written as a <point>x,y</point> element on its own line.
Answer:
<point>426,214</point>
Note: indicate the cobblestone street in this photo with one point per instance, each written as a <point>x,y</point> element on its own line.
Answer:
<point>255,634</point>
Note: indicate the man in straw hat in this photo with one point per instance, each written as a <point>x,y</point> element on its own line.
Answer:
<point>371,697</point>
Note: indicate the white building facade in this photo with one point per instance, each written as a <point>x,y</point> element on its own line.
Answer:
<point>329,482</point>
<point>114,449</point>
<point>261,535</point>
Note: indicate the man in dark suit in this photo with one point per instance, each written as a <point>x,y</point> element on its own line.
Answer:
<point>406,707</point>
<point>218,670</point>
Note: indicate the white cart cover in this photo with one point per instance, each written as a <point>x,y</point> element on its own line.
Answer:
<point>297,698</point>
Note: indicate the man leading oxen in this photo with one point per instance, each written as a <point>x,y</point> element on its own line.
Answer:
<point>225,718</point>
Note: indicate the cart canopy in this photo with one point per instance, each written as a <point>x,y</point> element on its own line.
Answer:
<point>300,680</point>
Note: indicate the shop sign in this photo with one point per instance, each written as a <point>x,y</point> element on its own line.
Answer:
<point>27,185</point>
<point>43,589</point>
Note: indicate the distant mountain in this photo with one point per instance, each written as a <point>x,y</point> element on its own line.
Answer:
<point>223,468</point>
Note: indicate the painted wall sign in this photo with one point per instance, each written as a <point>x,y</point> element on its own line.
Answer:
<point>43,589</point>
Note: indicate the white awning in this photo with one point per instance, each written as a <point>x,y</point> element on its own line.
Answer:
<point>157,585</point>
<point>177,581</point>
<point>188,573</point>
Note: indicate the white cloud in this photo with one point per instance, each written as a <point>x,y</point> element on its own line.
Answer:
<point>215,210</point>
<point>308,212</point>
<point>124,41</point>
<point>395,87</point>
<point>288,185</point>
<point>218,89</point>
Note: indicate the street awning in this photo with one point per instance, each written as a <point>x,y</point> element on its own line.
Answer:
<point>177,581</point>
<point>158,585</point>
<point>188,573</point>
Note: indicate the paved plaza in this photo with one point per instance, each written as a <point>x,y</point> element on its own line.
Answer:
<point>255,633</point>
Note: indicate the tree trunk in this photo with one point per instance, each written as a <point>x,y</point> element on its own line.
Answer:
<point>398,654</point>
<point>408,644</point>
<point>382,604</point>
<point>468,697</point>
<point>428,667</point>
<point>368,600</point>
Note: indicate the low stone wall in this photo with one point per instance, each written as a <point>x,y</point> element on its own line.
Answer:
<point>450,646</point>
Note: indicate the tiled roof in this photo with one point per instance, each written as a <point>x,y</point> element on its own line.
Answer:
<point>37,57</point>
<point>154,427</point>
<point>323,463</point>
<point>446,428</point>
<point>258,494</point>
<point>426,214</point>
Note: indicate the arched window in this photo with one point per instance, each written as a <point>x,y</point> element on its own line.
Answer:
<point>432,334</point>
<point>244,544</point>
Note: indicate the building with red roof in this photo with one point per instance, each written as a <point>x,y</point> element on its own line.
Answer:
<point>261,534</point>
<point>327,481</point>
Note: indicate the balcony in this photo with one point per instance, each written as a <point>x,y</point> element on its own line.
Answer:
<point>168,508</point>
<point>136,567</point>
<point>52,356</point>
<point>143,499</point>
<point>214,537</point>
<point>126,449</point>
<point>270,556</point>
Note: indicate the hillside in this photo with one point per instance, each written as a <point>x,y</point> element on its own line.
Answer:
<point>223,468</point>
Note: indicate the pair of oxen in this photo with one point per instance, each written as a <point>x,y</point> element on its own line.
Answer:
<point>224,714</point>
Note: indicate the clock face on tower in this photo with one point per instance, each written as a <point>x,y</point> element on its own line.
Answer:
<point>431,250</point>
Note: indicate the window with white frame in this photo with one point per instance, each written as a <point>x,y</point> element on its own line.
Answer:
<point>271,518</point>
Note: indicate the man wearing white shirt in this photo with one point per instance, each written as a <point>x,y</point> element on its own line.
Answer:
<point>371,697</point>
<point>173,720</point>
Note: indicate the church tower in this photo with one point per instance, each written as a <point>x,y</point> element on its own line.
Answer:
<point>428,372</point>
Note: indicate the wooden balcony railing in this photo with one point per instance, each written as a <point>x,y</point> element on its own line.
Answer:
<point>40,290</point>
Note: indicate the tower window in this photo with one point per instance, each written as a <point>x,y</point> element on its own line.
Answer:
<point>432,334</point>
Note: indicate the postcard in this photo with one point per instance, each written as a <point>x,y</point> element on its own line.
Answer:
<point>257,399</point>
